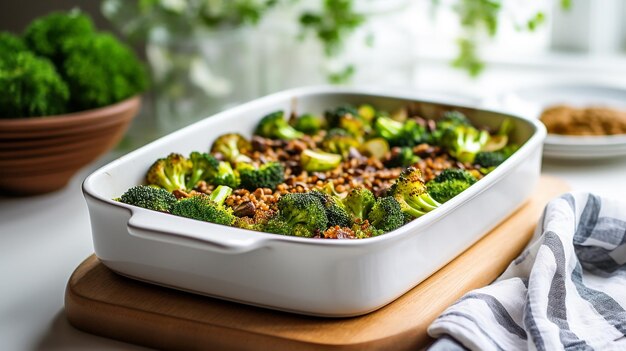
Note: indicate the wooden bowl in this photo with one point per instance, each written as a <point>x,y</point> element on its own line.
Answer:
<point>36,160</point>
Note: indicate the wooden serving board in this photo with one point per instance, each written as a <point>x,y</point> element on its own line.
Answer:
<point>101,302</point>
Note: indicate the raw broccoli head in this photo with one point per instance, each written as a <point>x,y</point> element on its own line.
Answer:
<point>410,192</point>
<point>170,172</point>
<point>335,210</point>
<point>268,175</point>
<point>204,208</point>
<point>274,126</point>
<point>300,215</point>
<point>233,147</point>
<point>204,166</point>
<point>359,202</point>
<point>338,141</point>
<point>309,124</point>
<point>10,45</point>
<point>319,161</point>
<point>149,197</point>
<point>449,183</point>
<point>30,86</point>
<point>464,142</point>
<point>401,157</point>
<point>386,214</point>
<point>333,117</point>
<point>225,175</point>
<point>101,71</point>
<point>47,35</point>
<point>409,133</point>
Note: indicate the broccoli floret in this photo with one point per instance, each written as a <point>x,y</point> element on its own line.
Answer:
<point>309,124</point>
<point>170,173</point>
<point>453,119</point>
<point>101,71</point>
<point>409,133</point>
<point>401,157</point>
<point>450,183</point>
<point>386,214</point>
<point>149,197</point>
<point>300,214</point>
<point>410,192</point>
<point>204,166</point>
<point>355,126</point>
<point>338,141</point>
<point>10,45</point>
<point>225,175</point>
<point>489,159</point>
<point>359,202</point>
<point>335,209</point>
<point>30,86</point>
<point>47,35</point>
<point>319,161</point>
<point>274,126</point>
<point>367,112</point>
<point>206,208</point>
<point>268,175</point>
<point>333,117</point>
<point>464,142</point>
<point>363,229</point>
<point>233,147</point>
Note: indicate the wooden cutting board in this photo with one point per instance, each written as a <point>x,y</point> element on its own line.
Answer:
<point>101,302</point>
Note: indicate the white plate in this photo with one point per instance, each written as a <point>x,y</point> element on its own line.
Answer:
<point>531,101</point>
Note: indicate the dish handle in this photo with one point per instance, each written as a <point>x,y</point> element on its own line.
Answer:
<point>192,233</point>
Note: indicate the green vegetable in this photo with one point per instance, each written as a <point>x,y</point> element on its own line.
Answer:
<point>233,147</point>
<point>489,159</point>
<point>410,192</point>
<point>319,161</point>
<point>170,173</point>
<point>338,141</point>
<point>299,215</point>
<point>375,147</point>
<point>268,175</point>
<point>335,209</point>
<point>225,175</point>
<point>333,117</point>
<point>363,229</point>
<point>206,208</point>
<point>401,157</point>
<point>464,142</point>
<point>309,124</point>
<point>386,214</point>
<point>274,126</point>
<point>149,197</point>
<point>30,86</point>
<point>359,202</point>
<point>408,133</point>
<point>10,45</point>
<point>204,167</point>
<point>449,183</point>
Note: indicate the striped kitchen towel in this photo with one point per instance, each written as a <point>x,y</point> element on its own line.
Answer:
<point>567,290</point>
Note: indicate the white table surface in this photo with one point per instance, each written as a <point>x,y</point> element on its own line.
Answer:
<point>43,238</point>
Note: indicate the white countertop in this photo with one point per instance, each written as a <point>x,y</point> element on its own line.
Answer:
<point>44,238</point>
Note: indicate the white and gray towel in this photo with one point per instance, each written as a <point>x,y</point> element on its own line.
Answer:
<point>567,290</point>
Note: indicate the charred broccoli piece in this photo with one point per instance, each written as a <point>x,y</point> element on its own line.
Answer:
<point>411,193</point>
<point>464,142</point>
<point>170,172</point>
<point>233,147</point>
<point>338,141</point>
<point>333,117</point>
<point>225,175</point>
<point>359,202</point>
<point>208,208</point>
<point>386,214</point>
<point>268,175</point>
<point>309,124</point>
<point>30,86</point>
<point>401,157</point>
<point>319,161</point>
<point>409,133</point>
<point>204,167</point>
<point>274,126</point>
<point>149,197</point>
<point>300,214</point>
<point>449,183</point>
<point>335,210</point>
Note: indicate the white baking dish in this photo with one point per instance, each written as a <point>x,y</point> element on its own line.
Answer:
<point>309,276</point>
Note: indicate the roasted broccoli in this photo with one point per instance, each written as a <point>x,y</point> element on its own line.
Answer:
<point>449,183</point>
<point>48,35</point>
<point>309,124</point>
<point>489,159</point>
<point>409,133</point>
<point>274,126</point>
<point>464,142</point>
<point>363,229</point>
<point>401,157</point>
<point>411,193</point>
<point>319,161</point>
<point>338,141</point>
<point>100,71</point>
<point>355,126</point>
<point>225,175</point>
<point>233,147</point>
<point>359,202</point>
<point>30,86</point>
<point>268,175</point>
<point>10,45</point>
<point>335,209</point>
<point>386,214</point>
<point>333,117</point>
<point>170,172</point>
<point>208,208</point>
<point>300,214</point>
<point>204,166</point>
<point>149,197</point>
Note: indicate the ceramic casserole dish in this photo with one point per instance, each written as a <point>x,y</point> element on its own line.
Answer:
<point>309,276</point>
